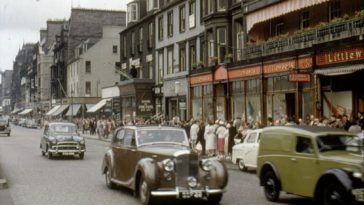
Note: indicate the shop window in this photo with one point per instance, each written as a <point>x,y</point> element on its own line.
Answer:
<point>182,19</point>
<point>159,75</point>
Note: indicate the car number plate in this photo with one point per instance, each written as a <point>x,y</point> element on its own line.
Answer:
<point>68,153</point>
<point>192,194</point>
<point>359,194</point>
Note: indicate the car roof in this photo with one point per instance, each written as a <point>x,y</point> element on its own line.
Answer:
<point>148,127</point>
<point>61,123</point>
<point>308,130</point>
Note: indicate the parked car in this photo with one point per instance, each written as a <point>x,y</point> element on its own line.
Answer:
<point>4,126</point>
<point>62,139</point>
<point>31,123</point>
<point>245,154</point>
<point>157,161</point>
<point>22,122</point>
<point>317,162</point>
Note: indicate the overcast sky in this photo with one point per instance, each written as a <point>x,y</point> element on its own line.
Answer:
<point>21,20</point>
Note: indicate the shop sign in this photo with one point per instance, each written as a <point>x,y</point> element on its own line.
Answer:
<point>145,106</point>
<point>299,77</point>
<point>305,63</point>
<point>244,72</point>
<point>279,67</point>
<point>340,56</point>
<point>201,79</point>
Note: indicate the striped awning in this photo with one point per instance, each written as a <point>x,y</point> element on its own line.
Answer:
<point>99,105</point>
<point>340,70</point>
<point>279,9</point>
<point>50,112</point>
<point>60,110</point>
<point>73,110</point>
<point>26,111</point>
<point>16,110</point>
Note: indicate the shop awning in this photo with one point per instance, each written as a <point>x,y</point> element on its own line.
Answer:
<point>340,70</point>
<point>279,9</point>
<point>98,106</point>
<point>89,106</point>
<point>16,110</point>
<point>26,111</point>
<point>73,110</point>
<point>60,110</point>
<point>50,112</point>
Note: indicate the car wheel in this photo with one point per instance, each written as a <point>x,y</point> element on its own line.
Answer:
<point>271,186</point>
<point>43,153</point>
<point>8,134</point>
<point>108,181</point>
<point>214,198</point>
<point>241,165</point>
<point>335,194</point>
<point>81,155</point>
<point>49,154</point>
<point>144,192</point>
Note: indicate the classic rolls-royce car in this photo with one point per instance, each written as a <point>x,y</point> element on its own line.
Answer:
<point>325,164</point>
<point>157,162</point>
<point>245,154</point>
<point>4,126</point>
<point>62,138</point>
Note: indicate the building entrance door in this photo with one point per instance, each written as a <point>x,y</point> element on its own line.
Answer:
<point>220,107</point>
<point>290,104</point>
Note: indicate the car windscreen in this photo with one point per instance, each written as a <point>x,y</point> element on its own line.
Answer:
<point>161,136</point>
<point>63,129</point>
<point>338,143</point>
<point>3,121</point>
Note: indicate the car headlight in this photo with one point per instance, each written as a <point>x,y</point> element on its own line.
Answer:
<point>206,165</point>
<point>168,165</point>
<point>82,141</point>
<point>357,174</point>
<point>53,140</point>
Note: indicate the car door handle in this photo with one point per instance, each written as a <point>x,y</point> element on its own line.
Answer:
<point>293,159</point>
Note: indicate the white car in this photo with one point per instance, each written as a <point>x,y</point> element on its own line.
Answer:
<point>245,154</point>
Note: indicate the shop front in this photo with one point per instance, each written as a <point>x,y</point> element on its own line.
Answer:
<point>340,73</point>
<point>210,96</point>
<point>136,99</point>
<point>272,91</point>
<point>175,93</point>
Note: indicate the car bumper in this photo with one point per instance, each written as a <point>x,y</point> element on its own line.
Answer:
<point>68,151</point>
<point>358,194</point>
<point>5,132</point>
<point>186,193</point>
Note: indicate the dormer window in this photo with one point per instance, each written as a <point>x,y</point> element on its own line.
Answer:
<point>133,14</point>
<point>152,4</point>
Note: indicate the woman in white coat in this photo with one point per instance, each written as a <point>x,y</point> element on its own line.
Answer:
<point>210,139</point>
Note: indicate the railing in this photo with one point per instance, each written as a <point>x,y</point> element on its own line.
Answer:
<point>325,33</point>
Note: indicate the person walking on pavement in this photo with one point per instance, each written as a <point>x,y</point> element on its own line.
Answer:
<point>210,138</point>
<point>220,138</point>
<point>195,127</point>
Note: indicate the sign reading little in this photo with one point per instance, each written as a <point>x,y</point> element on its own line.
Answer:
<point>340,56</point>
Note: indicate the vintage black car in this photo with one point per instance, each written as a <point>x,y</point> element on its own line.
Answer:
<point>4,126</point>
<point>157,162</point>
<point>62,139</point>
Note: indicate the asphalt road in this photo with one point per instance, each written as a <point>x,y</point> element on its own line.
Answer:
<point>36,180</point>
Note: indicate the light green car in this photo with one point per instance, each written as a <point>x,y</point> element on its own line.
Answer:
<point>325,164</point>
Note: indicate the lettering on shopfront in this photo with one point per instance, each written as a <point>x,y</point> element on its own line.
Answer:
<point>305,63</point>
<point>279,67</point>
<point>145,106</point>
<point>299,77</point>
<point>201,79</point>
<point>245,72</point>
<point>340,56</point>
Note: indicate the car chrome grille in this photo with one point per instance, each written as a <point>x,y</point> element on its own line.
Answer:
<point>2,127</point>
<point>66,145</point>
<point>186,165</point>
